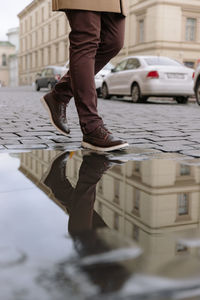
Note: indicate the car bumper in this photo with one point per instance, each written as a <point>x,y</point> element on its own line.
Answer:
<point>158,88</point>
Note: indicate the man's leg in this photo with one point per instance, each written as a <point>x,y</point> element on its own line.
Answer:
<point>111,42</point>
<point>85,38</point>
<point>84,42</point>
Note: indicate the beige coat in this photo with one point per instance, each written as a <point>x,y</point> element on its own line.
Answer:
<point>118,6</point>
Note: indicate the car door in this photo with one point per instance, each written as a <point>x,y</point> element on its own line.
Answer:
<point>49,76</point>
<point>114,79</point>
<point>42,80</point>
<point>131,74</point>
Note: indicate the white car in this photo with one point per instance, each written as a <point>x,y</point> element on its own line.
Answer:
<point>99,77</point>
<point>142,77</point>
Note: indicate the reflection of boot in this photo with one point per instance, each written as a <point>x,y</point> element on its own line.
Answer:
<point>56,180</point>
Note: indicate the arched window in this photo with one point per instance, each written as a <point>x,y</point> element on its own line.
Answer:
<point>4,60</point>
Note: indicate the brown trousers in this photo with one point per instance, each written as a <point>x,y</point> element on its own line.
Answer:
<point>95,38</point>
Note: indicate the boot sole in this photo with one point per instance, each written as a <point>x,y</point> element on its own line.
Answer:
<point>50,116</point>
<point>104,149</point>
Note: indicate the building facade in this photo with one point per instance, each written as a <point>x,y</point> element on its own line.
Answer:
<point>153,27</point>
<point>170,28</point>
<point>13,38</point>
<point>43,39</point>
<point>6,50</point>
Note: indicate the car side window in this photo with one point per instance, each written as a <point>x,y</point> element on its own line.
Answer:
<point>121,66</point>
<point>49,72</point>
<point>44,72</point>
<point>132,64</point>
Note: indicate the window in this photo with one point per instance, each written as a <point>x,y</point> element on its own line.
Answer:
<point>137,166</point>
<point>189,64</point>
<point>184,170</point>
<point>36,17</point>
<point>31,22</point>
<point>57,53</point>
<point>133,63</point>
<point>100,187</point>
<point>49,9</point>
<point>42,13</point>
<point>57,27</point>
<point>183,204</point>
<point>136,202</point>
<point>161,61</point>
<point>116,221</point>
<point>181,248</point>
<point>190,33</point>
<point>136,231</point>
<point>36,59</point>
<point>116,191</point>
<point>49,55</point>
<point>49,32</point>
<point>121,66</point>
<point>4,60</point>
<point>141,31</point>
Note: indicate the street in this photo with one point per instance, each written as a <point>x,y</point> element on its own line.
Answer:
<point>161,125</point>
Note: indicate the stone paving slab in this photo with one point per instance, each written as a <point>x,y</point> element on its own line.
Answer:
<point>161,126</point>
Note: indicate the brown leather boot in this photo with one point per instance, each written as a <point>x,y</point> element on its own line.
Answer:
<point>57,113</point>
<point>102,140</point>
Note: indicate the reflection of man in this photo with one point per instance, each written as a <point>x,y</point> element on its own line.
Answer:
<point>97,35</point>
<point>84,221</point>
<point>78,201</point>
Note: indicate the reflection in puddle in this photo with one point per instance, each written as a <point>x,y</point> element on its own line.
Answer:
<point>134,225</point>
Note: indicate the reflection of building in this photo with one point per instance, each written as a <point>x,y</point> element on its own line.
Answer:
<point>43,39</point>
<point>169,28</point>
<point>154,202</point>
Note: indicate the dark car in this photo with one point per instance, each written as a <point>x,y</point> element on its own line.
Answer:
<point>48,77</point>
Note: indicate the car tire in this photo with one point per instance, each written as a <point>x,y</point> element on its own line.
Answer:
<point>98,92</point>
<point>37,87</point>
<point>197,91</point>
<point>104,91</point>
<point>49,86</point>
<point>136,94</point>
<point>181,100</point>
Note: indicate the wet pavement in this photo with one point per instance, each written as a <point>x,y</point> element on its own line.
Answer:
<point>83,225</point>
<point>162,125</point>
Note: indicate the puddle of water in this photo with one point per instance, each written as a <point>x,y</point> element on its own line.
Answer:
<point>88,226</point>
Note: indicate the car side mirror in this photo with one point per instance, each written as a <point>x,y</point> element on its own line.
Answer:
<point>113,70</point>
<point>39,74</point>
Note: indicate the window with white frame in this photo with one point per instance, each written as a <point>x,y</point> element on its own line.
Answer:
<point>183,204</point>
<point>190,32</point>
<point>141,31</point>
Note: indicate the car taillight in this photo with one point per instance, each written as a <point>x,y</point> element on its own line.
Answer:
<point>193,75</point>
<point>153,74</point>
<point>57,77</point>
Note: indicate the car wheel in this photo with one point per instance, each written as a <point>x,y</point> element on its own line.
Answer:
<point>98,92</point>
<point>181,100</point>
<point>197,92</point>
<point>104,91</point>
<point>37,87</point>
<point>136,94</point>
<point>49,86</point>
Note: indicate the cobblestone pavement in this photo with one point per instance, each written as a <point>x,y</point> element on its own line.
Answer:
<point>160,125</point>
